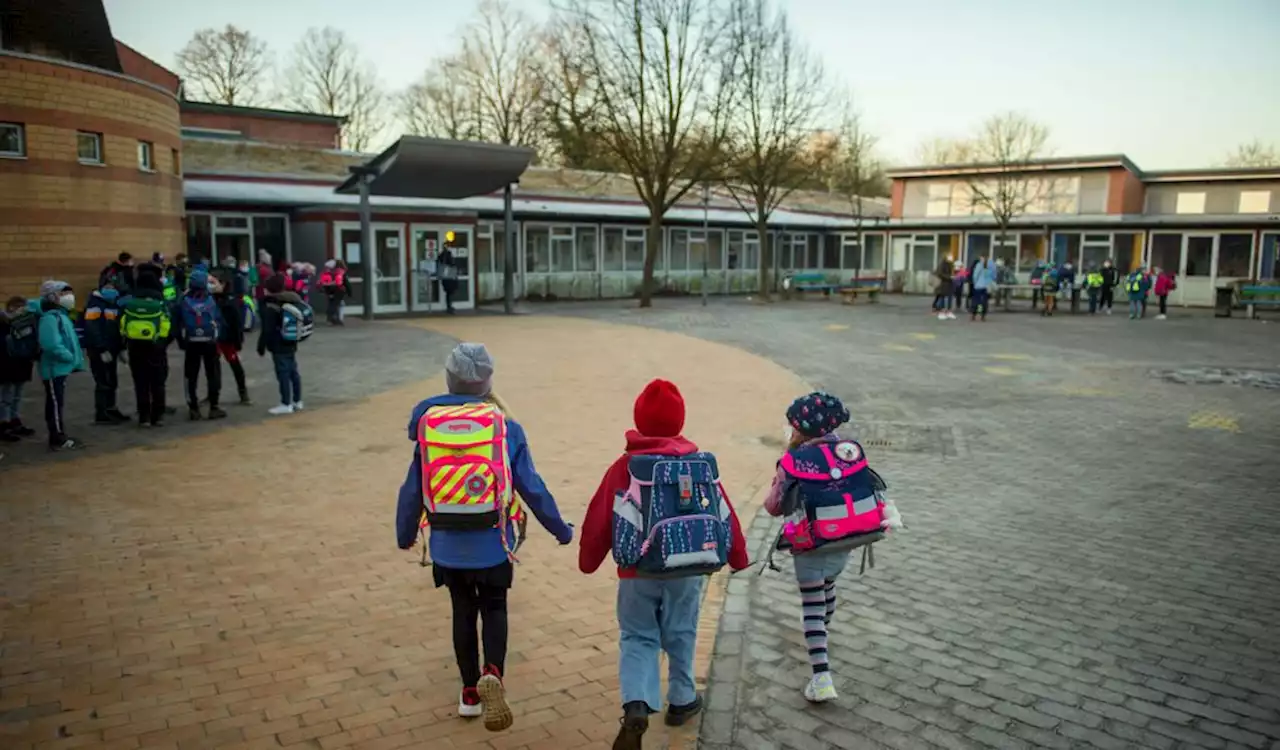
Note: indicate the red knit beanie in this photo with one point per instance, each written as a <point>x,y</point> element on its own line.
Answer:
<point>659,410</point>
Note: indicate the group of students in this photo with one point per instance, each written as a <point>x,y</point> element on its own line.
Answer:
<point>133,316</point>
<point>983,277</point>
<point>660,508</point>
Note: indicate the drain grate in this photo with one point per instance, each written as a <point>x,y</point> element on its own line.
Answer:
<point>1269,379</point>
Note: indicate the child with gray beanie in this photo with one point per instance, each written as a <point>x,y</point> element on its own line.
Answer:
<point>471,551</point>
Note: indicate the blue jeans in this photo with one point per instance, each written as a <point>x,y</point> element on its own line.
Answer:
<point>653,616</point>
<point>10,401</point>
<point>287,376</point>
<point>1135,306</point>
<point>981,298</point>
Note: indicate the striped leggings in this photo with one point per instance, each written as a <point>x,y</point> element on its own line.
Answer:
<point>818,603</point>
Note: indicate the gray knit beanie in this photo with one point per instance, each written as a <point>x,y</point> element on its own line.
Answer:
<point>52,289</point>
<point>469,370</point>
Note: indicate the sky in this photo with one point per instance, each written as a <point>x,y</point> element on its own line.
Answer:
<point>1170,83</point>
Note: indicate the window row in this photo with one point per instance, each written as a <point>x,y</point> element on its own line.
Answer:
<point>89,147</point>
<point>1247,202</point>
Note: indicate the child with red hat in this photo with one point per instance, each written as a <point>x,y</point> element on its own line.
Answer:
<point>654,614</point>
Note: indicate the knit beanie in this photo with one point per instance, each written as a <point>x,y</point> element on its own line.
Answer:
<point>469,370</point>
<point>817,414</point>
<point>275,284</point>
<point>659,410</point>
<point>199,280</point>
<point>52,289</point>
<point>149,279</point>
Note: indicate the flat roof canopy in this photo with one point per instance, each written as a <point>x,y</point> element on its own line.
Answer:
<point>417,167</point>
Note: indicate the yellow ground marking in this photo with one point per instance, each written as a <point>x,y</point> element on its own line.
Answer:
<point>899,348</point>
<point>1211,420</point>
<point>1001,371</point>
<point>837,327</point>
<point>924,336</point>
<point>1010,357</point>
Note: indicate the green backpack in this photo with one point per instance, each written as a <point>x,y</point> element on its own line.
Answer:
<point>145,320</point>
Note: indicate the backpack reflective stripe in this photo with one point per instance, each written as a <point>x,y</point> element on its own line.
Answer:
<point>466,472</point>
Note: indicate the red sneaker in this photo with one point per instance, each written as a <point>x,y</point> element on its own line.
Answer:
<point>493,696</point>
<point>469,704</point>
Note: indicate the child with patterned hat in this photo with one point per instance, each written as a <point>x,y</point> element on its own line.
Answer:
<point>832,503</point>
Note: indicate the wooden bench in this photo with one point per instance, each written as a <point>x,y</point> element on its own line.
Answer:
<point>1005,292</point>
<point>1259,296</point>
<point>872,287</point>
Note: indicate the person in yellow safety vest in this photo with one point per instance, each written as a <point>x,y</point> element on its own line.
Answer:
<point>170,291</point>
<point>1093,283</point>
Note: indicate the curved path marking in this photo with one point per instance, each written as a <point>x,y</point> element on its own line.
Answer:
<point>241,588</point>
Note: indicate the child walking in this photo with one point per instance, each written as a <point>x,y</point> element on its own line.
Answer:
<point>473,551</point>
<point>1165,284</point>
<point>822,470</point>
<point>655,615</point>
<point>231,333</point>
<point>19,348</point>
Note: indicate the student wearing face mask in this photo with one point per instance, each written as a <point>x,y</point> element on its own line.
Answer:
<point>60,355</point>
<point>103,345</point>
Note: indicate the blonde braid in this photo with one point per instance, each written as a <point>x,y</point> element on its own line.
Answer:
<point>497,401</point>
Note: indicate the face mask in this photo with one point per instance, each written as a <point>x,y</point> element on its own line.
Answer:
<point>109,294</point>
<point>244,269</point>
<point>68,301</point>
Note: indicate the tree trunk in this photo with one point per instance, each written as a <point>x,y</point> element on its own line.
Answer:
<point>766,259</point>
<point>652,246</point>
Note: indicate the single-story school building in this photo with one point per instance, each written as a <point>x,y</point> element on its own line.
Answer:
<point>100,152</point>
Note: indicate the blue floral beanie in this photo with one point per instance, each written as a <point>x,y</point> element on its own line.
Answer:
<point>817,414</point>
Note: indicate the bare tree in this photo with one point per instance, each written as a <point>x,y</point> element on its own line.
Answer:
<point>571,109</point>
<point>663,71</point>
<point>497,64</point>
<point>781,92</point>
<point>327,75</point>
<point>945,151</point>
<point>855,171</point>
<point>1007,183</point>
<point>227,66</point>
<point>441,104</point>
<point>1254,154</point>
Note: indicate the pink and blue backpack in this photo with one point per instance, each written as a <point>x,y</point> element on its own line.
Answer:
<point>672,522</point>
<point>832,499</point>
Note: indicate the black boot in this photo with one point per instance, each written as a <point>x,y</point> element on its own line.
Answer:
<point>680,715</point>
<point>635,722</point>
<point>244,398</point>
<point>194,413</point>
<point>216,413</point>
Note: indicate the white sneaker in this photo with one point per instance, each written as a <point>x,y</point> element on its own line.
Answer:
<point>470,710</point>
<point>820,689</point>
<point>951,316</point>
<point>281,409</point>
<point>297,406</point>
<point>1108,311</point>
<point>1162,317</point>
<point>942,316</point>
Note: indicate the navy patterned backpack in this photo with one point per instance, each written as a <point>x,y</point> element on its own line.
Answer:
<point>672,521</point>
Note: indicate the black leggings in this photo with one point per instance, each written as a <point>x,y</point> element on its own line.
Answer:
<point>478,594</point>
<point>202,353</point>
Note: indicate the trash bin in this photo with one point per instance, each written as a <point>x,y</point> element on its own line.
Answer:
<point>1222,301</point>
<point>1075,300</point>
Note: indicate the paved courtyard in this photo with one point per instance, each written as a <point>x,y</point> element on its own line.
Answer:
<point>1090,560</point>
<point>1092,556</point>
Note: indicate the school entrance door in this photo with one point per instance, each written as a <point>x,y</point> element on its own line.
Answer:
<point>388,266</point>
<point>429,240</point>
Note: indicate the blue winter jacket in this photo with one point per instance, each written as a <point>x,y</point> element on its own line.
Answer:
<point>60,353</point>
<point>474,549</point>
<point>984,277</point>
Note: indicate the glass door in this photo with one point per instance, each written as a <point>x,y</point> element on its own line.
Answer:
<point>347,244</point>
<point>429,241</point>
<point>1199,257</point>
<point>388,266</point>
<point>923,260</point>
<point>899,245</point>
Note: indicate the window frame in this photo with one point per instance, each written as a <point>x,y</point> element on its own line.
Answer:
<point>21,130</point>
<point>149,163</point>
<point>99,159</point>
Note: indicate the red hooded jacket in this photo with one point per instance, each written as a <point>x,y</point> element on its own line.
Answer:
<point>596,536</point>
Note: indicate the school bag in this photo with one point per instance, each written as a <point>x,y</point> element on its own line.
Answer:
<point>145,319</point>
<point>199,318</point>
<point>296,321</point>
<point>466,472</point>
<point>23,341</point>
<point>672,521</point>
<point>832,500</point>
<point>248,313</point>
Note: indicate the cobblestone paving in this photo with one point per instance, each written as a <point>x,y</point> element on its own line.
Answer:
<point>1092,554</point>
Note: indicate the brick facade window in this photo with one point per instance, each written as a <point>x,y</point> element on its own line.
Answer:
<point>89,147</point>
<point>13,140</point>
<point>146,156</point>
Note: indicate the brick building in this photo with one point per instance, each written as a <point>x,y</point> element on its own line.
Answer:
<point>90,155</point>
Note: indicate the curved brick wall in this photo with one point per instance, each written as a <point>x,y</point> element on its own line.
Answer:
<point>66,220</point>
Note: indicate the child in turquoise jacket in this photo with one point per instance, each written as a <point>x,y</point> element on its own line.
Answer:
<point>60,355</point>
